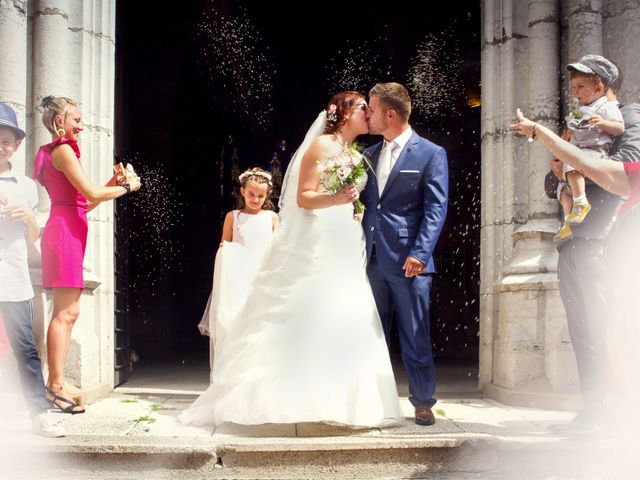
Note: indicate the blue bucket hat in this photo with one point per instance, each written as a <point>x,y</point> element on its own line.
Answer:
<point>8,119</point>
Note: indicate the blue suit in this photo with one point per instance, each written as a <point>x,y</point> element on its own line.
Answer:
<point>406,220</point>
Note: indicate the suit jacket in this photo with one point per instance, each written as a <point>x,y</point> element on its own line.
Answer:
<point>407,217</point>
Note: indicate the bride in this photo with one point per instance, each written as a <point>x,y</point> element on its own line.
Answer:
<point>308,345</point>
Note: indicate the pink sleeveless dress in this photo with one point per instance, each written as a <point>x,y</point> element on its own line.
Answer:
<point>64,239</point>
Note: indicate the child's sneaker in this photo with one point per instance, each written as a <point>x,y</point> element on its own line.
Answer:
<point>578,213</point>
<point>563,234</point>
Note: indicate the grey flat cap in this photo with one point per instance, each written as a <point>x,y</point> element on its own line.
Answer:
<point>596,64</point>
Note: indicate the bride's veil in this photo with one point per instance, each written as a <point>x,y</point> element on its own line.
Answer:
<point>288,197</point>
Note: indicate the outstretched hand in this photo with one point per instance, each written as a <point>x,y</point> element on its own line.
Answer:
<point>524,126</point>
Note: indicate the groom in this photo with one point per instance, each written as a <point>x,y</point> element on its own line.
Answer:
<point>406,204</point>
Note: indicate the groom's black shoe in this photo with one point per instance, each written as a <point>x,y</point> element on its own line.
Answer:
<point>424,415</point>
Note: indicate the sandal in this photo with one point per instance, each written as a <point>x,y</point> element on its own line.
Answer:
<point>59,402</point>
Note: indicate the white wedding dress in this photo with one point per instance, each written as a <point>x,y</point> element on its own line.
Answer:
<point>308,346</point>
<point>236,264</point>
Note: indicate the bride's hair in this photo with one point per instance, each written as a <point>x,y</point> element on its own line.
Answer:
<point>341,103</point>
<point>258,175</point>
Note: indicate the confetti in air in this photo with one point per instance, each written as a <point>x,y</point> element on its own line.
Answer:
<point>354,66</point>
<point>233,51</point>
<point>434,76</point>
<point>155,210</point>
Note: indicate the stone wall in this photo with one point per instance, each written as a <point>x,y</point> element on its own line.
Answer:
<point>525,350</point>
<point>66,48</point>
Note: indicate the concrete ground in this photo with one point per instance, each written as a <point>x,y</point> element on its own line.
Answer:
<point>134,433</point>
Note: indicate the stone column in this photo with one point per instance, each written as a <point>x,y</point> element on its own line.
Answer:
<point>74,56</point>
<point>525,351</point>
<point>621,30</point>
<point>525,354</point>
<point>13,66</point>
<point>585,24</point>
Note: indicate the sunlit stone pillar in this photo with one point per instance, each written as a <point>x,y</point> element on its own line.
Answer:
<point>621,31</point>
<point>526,357</point>
<point>585,25</point>
<point>13,65</point>
<point>525,350</point>
<point>74,56</point>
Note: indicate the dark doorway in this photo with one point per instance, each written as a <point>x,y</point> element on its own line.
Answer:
<point>221,84</point>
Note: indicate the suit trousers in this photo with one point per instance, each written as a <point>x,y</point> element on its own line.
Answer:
<point>407,300</point>
<point>17,318</point>
<point>581,275</point>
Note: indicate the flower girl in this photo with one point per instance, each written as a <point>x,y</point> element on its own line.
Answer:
<point>246,234</point>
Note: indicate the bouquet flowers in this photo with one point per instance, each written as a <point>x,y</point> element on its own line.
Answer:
<point>347,168</point>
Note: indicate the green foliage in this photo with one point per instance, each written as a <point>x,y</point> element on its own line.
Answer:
<point>145,419</point>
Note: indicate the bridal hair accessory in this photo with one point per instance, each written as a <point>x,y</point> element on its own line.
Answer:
<point>256,173</point>
<point>332,116</point>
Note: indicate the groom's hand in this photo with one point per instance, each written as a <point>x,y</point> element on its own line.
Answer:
<point>412,267</point>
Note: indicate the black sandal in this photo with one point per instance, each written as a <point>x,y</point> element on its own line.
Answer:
<point>58,402</point>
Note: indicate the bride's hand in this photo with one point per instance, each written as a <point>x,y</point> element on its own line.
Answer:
<point>348,194</point>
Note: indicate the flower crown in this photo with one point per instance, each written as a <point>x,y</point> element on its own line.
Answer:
<point>256,173</point>
<point>332,115</point>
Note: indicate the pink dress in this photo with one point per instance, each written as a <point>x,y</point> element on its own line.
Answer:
<point>64,239</point>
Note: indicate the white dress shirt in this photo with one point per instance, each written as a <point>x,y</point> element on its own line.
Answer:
<point>400,142</point>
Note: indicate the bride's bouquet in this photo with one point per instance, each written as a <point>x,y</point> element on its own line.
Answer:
<point>339,171</point>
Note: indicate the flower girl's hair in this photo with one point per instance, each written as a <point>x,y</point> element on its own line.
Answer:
<point>258,175</point>
<point>339,105</point>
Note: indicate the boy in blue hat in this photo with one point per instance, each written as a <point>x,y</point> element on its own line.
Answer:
<point>18,231</point>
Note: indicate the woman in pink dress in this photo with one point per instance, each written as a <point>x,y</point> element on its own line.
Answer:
<point>57,168</point>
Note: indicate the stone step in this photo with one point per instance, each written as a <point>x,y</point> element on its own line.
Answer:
<point>438,456</point>
<point>137,436</point>
<point>312,457</point>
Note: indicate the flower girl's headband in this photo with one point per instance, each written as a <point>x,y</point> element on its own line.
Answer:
<point>256,173</point>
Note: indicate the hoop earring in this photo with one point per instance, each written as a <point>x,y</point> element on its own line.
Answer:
<point>61,132</point>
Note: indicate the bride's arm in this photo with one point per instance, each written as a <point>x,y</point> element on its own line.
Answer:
<point>309,179</point>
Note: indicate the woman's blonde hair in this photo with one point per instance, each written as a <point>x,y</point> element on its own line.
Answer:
<point>52,107</point>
